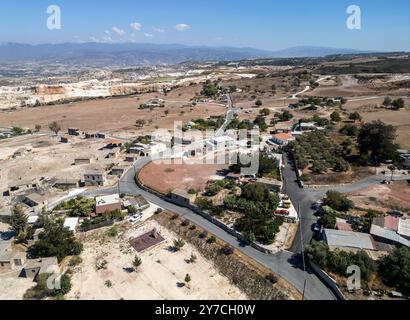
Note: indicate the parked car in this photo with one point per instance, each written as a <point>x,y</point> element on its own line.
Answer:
<point>282,212</point>
<point>396,213</point>
<point>316,227</point>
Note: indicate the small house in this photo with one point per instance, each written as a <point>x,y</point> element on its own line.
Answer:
<point>66,184</point>
<point>37,267</point>
<point>282,139</point>
<point>117,171</point>
<point>35,200</point>
<point>83,160</point>
<point>95,178</point>
<point>114,153</point>
<point>106,204</point>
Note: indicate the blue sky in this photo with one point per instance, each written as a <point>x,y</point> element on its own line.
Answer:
<point>265,24</point>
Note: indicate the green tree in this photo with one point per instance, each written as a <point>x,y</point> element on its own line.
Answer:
<point>328,220</point>
<point>355,116</point>
<point>349,130</point>
<point>318,253</point>
<point>398,104</point>
<point>258,103</point>
<point>265,112</point>
<point>377,140</point>
<point>338,201</point>
<point>394,269</point>
<point>136,263</point>
<point>209,89</point>
<point>54,127</point>
<point>57,241</point>
<point>19,220</point>
<point>286,116</point>
<point>387,102</point>
<point>335,117</point>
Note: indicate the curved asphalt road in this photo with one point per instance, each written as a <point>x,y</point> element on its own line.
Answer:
<point>285,264</point>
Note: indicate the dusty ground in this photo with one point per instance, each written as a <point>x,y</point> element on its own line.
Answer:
<point>12,287</point>
<point>111,115</point>
<point>48,158</point>
<point>384,197</point>
<point>158,277</point>
<point>165,178</point>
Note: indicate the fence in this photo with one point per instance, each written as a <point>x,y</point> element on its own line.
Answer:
<point>206,216</point>
<point>96,226</point>
<point>327,280</point>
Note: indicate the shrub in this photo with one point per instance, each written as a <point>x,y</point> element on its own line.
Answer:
<point>178,244</point>
<point>394,269</point>
<point>211,240</point>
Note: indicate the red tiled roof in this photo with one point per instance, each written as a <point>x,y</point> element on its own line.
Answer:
<point>283,136</point>
<point>391,223</point>
<point>343,226</point>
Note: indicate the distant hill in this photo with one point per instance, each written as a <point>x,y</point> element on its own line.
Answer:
<point>143,54</point>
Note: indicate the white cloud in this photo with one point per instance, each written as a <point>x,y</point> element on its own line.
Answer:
<point>118,31</point>
<point>182,27</point>
<point>94,39</point>
<point>159,30</point>
<point>148,35</point>
<point>136,26</point>
<point>107,32</point>
<point>107,39</point>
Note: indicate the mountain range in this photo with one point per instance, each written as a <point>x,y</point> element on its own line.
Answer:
<point>149,54</point>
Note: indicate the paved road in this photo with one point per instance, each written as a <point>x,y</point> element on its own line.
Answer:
<point>230,114</point>
<point>285,264</point>
<point>302,201</point>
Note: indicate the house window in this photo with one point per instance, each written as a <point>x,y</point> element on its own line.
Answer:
<point>17,262</point>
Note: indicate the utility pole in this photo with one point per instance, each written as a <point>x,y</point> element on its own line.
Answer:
<point>303,253</point>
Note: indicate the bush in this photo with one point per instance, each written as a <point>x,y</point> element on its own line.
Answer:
<point>178,244</point>
<point>211,240</point>
<point>75,261</point>
<point>56,241</point>
<point>338,201</point>
<point>185,223</point>
<point>113,232</point>
<point>394,270</point>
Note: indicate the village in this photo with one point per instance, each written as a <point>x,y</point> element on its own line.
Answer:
<point>140,191</point>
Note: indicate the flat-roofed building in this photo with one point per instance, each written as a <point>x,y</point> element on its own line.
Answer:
<point>83,160</point>
<point>95,178</point>
<point>348,240</point>
<point>66,184</point>
<point>108,203</point>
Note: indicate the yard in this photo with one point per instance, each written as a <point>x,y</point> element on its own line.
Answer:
<point>160,276</point>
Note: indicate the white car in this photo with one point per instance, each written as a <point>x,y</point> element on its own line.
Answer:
<point>136,218</point>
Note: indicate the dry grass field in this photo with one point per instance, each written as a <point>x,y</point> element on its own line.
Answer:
<point>167,177</point>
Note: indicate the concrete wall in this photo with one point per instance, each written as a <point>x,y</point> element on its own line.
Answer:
<point>325,278</point>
